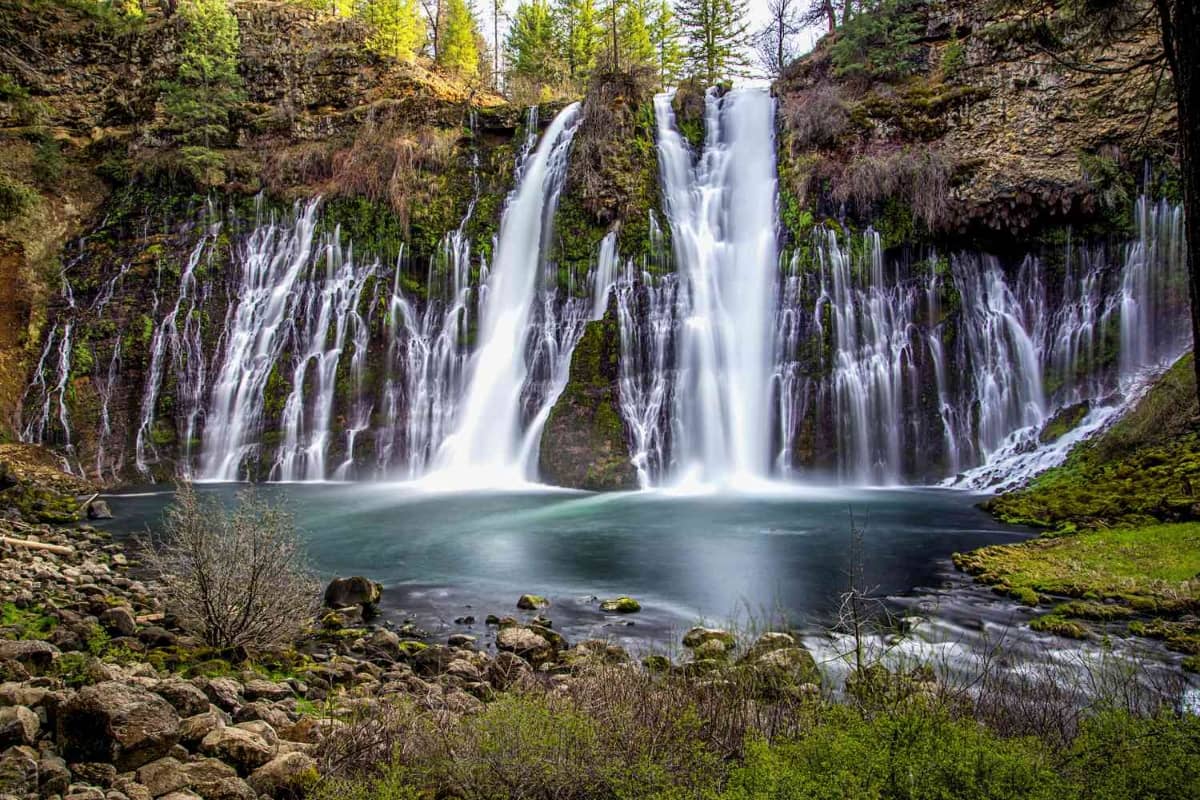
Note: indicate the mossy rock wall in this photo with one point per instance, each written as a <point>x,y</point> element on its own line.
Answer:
<point>585,444</point>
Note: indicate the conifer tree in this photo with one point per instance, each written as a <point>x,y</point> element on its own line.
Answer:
<point>579,25</point>
<point>635,43</point>
<point>665,38</point>
<point>715,32</point>
<point>533,46</point>
<point>397,29</point>
<point>458,51</point>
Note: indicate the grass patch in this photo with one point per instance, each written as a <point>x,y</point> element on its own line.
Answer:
<point>1156,562</point>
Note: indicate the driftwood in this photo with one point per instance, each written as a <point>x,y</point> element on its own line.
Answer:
<point>30,545</point>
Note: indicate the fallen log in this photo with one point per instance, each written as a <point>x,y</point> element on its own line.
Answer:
<point>62,550</point>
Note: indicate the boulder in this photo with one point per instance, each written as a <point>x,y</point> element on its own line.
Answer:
<point>163,776</point>
<point>193,729</point>
<point>30,653</point>
<point>18,771</point>
<point>285,776</point>
<point>211,776</point>
<point>532,602</point>
<point>98,509</point>
<point>119,620</point>
<point>698,636</point>
<point>53,775</point>
<point>225,693</point>
<point>267,690</point>
<point>506,669</point>
<point>119,723</point>
<point>524,642</point>
<point>18,725</point>
<point>621,605</point>
<point>710,649</point>
<point>355,591</point>
<point>790,664</point>
<point>768,642</point>
<point>245,750</point>
<point>184,696</point>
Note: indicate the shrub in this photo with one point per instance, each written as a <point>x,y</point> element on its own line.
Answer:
<point>913,755</point>
<point>239,579</point>
<point>16,197</point>
<point>919,177</point>
<point>1118,755</point>
<point>816,118</point>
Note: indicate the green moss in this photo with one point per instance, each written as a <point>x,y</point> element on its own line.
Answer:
<point>1053,623</point>
<point>621,605</point>
<point>26,623</point>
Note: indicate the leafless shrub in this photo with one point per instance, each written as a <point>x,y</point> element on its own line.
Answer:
<point>919,177</point>
<point>817,117</point>
<point>237,579</point>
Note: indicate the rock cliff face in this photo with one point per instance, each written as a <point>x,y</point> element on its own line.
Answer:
<point>584,442</point>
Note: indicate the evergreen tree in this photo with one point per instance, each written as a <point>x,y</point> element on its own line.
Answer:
<point>665,38</point>
<point>583,36</point>
<point>533,47</point>
<point>397,29</point>
<point>458,51</point>
<point>715,31</point>
<point>635,43</point>
<point>206,87</point>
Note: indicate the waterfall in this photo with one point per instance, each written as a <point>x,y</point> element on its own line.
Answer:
<point>327,306</point>
<point>188,360</point>
<point>1154,288</point>
<point>722,214</point>
<point>605,274</point>
<point>788,378</point>
<point>270,261</point>
<point>488,446</point>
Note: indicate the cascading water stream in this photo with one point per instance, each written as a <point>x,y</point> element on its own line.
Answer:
<point>271,260</point>
<point>722,214</point>
<point>489,446</point>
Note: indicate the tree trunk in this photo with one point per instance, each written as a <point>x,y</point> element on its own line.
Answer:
<point>1180,20</point>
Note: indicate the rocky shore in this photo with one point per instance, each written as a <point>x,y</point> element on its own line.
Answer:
<point>104,697</point>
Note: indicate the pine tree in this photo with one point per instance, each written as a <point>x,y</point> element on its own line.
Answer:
<point>533,46</point>
<point>583,37</point>
<point>665,38</point>
<point>206,87</point>
<point>458,51</point>
<point>715,31</point>
<point>397,29</point>
<point>636,46</point>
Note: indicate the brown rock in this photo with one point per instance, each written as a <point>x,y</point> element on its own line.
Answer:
<point>118,723</point>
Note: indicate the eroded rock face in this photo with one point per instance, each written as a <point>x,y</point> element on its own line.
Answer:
<point>117,723</point>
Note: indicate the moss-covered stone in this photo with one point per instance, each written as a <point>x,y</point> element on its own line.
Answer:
<point>584,444</point>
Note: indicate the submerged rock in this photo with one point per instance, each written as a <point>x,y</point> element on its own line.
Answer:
<point>532,602</point>
<point>621,605</point>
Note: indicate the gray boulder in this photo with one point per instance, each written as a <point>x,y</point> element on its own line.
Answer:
<point>119,620</point>
<point>119,723</point>
<point>18,771</point>
<point>18,725</point>
<point>98,509</point>
<point>29,653</point>
<point>245,750</point>
<point>355,591</point>
<point>285,776</point>
<point>184,696</point>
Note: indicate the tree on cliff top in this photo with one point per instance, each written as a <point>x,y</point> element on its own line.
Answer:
<point>206,87</point>
<point>715,32</point>
<point>535,66</point>
<point>397,29</point>
<point>458,51</point>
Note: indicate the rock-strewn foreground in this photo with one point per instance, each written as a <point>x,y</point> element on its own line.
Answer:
<point>102,696</point>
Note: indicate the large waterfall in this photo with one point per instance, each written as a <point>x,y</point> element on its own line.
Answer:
<point>721,208</point>
<point>269,348</point>
<point>494,439</point>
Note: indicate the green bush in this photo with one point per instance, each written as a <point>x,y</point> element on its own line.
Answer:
<point>916,755</point>
<point>16,197</point>
<point>1118,756</point>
